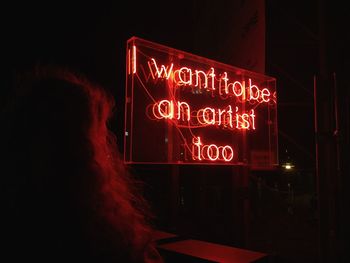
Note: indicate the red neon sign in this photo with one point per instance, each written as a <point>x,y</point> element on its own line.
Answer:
<point>185,109</point>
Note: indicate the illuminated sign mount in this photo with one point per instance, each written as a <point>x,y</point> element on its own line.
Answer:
<point>184,109</point>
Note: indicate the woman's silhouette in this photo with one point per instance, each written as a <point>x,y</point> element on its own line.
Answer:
<point>67,195</point>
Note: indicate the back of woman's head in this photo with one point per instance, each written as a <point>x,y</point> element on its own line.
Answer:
<point>67,192</point>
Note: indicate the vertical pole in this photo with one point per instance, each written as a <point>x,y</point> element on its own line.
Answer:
<point>175,186</point>
<point>325,154</point>
<point>336,116</point>
<point>338,184</point>
<point>318,183</point>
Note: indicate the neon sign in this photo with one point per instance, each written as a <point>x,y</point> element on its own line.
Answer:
<point>185,109</point>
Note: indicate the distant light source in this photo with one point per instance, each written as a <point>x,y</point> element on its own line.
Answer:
<point>288,166</point>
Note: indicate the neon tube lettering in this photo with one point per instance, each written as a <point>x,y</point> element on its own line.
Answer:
<point>210,152</point>
<point>183,109</point>
<point>186,76</point>
<point>220,113</point>
<point>165,109</point>
<point>196,148</point>
<point>251,92</point>
<point>205,115</point>
<point>212,76</point>
<point>184,79</point>
<point>245,121</point>
<point>252,118</point>
<point>227,153</point>
<point>265,93</point>
<point>211,155</point>
<point>159,72</point>
<point>225,79</point>
<point>134,59</point>
<point>199,80</point>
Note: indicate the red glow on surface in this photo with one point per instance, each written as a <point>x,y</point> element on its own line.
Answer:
<point>129,71</point>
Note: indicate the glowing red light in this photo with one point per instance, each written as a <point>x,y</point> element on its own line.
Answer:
<point>211,152</point>
<point>205,111</point>
<point>168,109</point>
<point>159,71</point>
<point>134,59</point>
<point>186,76</point>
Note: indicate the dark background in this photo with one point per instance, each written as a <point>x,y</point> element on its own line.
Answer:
<point>304,39</point>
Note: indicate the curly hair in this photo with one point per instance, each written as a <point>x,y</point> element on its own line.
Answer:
<point>68,193</point>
